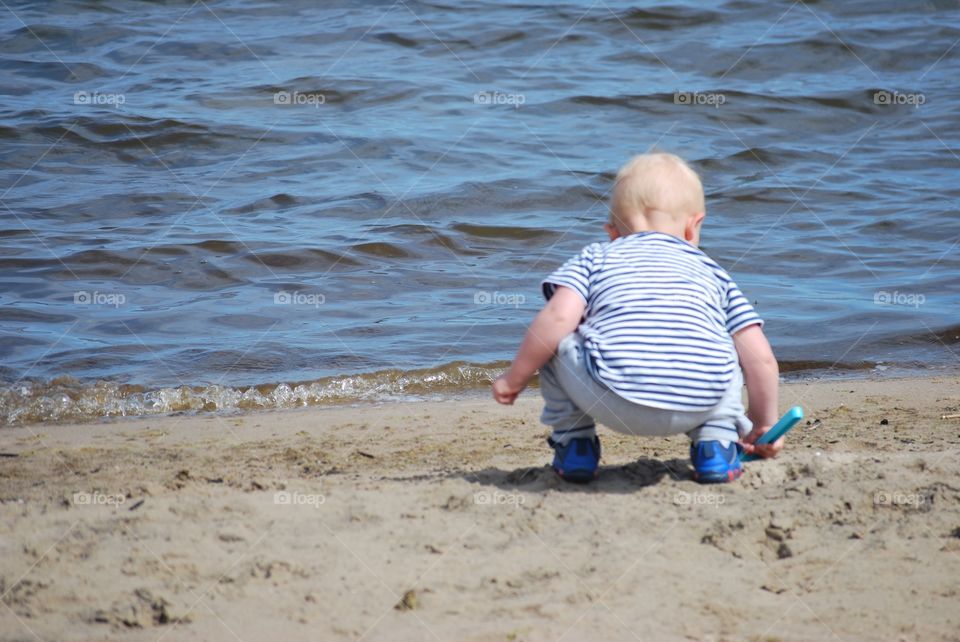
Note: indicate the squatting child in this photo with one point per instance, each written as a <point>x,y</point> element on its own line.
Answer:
<point>649,336</point>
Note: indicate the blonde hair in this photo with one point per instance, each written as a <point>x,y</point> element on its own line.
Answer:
<point>656,182</point>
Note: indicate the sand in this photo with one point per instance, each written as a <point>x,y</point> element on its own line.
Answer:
<point>441,521</point>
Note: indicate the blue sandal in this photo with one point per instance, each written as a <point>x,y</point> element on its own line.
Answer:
<point>714,463</point>
<point>577,461</point>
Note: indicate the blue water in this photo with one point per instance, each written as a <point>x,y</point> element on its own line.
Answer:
<point>247,194</point>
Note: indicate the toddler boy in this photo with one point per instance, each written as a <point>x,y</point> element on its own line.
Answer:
<point>649,336</point>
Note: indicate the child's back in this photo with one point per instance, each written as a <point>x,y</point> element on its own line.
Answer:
<point>659,319</point>
<point>648,334</point>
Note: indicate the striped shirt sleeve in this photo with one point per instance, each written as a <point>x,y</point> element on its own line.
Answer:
<point>740,314</point>
<point>574,274</point>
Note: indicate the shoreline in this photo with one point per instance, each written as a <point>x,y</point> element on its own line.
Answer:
<point>413,520</point>
<point>190,397</point>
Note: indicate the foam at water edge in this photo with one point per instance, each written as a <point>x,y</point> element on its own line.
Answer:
<point>68,400</point>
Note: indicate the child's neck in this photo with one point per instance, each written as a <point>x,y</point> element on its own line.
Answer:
<point>674,230</point>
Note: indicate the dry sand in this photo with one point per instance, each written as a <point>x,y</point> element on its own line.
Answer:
<point>440,520</point>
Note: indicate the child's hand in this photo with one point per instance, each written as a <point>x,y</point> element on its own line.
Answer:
<point>505,393</point>
<point>557,319</point>
<point>761,450</point>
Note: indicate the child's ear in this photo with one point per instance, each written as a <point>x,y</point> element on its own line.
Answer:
<point>691,231</point>
<point>612,231</point>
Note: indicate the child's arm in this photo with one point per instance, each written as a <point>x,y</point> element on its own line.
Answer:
<point>761,374</point>
<point>558,318</point>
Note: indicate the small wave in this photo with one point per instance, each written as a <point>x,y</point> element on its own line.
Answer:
<point>77,72</point>
<point>504,232</point>
<point>218,246</point>
<point>426,235</point>
<point>301,258</point>
<point>665,18</point>
<point>382,250</point>
<point>276,202</point>
<point>396,39</point>
<point>33,37</point>
<point>68,400</point>
<point>124,134</point>
<point>809,366</point>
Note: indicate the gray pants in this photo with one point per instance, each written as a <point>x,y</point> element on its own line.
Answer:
<point>574,401</point>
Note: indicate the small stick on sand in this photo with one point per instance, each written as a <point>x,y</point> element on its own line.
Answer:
<point>955,415</point>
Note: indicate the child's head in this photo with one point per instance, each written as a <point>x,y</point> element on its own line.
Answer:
<point>657,193</point>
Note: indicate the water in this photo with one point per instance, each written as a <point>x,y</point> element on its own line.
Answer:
<point>230,205</point>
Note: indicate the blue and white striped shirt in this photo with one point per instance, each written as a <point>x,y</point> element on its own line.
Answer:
<point>659,319</point>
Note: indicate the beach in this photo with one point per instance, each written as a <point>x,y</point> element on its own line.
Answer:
<point>261,262</point>
<point>441,520</point>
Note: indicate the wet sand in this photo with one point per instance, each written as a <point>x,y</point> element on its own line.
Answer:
<point>440,520</point>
